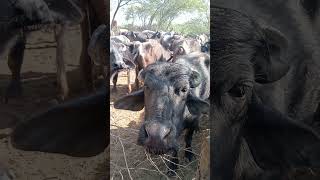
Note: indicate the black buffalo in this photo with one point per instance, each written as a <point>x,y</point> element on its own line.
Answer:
<point>265,90</point>
<point>174,97</point>
<point>76,128</point>
<point>136,36</point>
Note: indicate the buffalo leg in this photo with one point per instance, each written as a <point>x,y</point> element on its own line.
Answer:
<point>137,80</point>
<point>191,125</point>
<point>173,164</point>
<point>61,69</point>
<point>129,81</point>
<point>15,60</point>
<point>188,139</point>
<point>114,81</point>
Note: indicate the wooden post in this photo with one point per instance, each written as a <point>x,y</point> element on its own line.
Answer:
<point>61,69</point>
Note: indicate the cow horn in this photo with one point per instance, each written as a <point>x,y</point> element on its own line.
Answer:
<point>141,75</point>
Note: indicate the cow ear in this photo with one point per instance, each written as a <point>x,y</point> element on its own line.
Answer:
<point>195,79</point>
<point>196,105</point>
<point>269,62</point>
<point>275,139</point>
<point>133,101</point>
<point>122,47</point>
<point>141,75</point>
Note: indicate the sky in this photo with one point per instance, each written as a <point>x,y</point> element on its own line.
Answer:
<point>120,17</point>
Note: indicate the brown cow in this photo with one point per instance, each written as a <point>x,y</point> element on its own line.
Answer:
<point>148,53</point>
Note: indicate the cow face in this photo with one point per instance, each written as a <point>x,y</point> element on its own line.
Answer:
<point>116,58</point>
<point>166,96</point>
<point>166,41</point>
<point>205,47</point>
<point>240,59</point>
<point>244,53</point>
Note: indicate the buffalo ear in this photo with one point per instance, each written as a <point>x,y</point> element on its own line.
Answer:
<point>195,79</point>
<point>311,7</point>
<point>133,101</point>
<point>277,141</point>
<point>196,105</point>
<point>269,62</point>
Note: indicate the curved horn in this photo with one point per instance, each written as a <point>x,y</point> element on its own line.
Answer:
<point>140,75</point>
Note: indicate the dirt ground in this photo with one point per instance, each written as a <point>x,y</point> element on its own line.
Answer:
<point>39,93</point>
<point>126,157</point>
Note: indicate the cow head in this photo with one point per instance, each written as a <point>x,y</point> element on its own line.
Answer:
<point>116,57</point>
<point>166,96</point>
<point>166,41</point>
<point>205,47</point>
<point>244,54</point>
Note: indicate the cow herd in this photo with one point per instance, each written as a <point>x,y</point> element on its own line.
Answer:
<point>137,50</point>
<point>261,87</point>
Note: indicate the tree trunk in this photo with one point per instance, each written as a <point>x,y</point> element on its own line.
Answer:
<point>115,13</point>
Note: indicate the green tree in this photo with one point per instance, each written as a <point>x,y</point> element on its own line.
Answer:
<point>160,14</point>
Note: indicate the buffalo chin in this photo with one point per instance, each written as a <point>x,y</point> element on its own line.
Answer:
<point>156,151</point>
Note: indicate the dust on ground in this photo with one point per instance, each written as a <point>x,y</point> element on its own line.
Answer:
<point>126,157</point>
<point>39,93</point>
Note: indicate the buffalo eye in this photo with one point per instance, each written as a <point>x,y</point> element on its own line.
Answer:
<point>237,91</point>
<point>184,89</point>
<point>181,91</point>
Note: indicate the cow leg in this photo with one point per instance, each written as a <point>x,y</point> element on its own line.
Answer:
<point>114,81</point>
<point>129,81</point>
<point>15,60</point>
<point>188,139</point>
<point>61,69</point>
<point>173,164</point>
<point>191,124</point>
<point>85,63</point>
<point>137,80</point>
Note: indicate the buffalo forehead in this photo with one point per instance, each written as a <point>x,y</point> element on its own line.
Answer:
<point>167,73</point>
